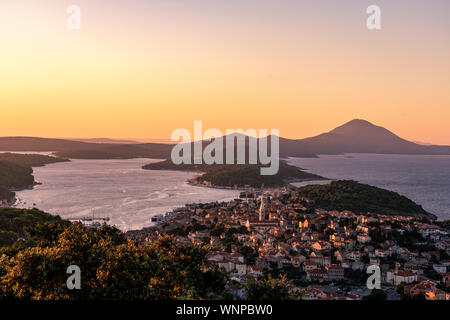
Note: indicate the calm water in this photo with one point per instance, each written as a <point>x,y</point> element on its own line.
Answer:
<point>424,179</point>
<point>130,196</point>
<point>119,189</point>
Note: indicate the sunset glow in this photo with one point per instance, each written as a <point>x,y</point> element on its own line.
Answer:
<point>141,69</point>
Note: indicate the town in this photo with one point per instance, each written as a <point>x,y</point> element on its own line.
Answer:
<point>324,254</point>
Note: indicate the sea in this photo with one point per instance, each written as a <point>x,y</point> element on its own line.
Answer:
<point>118,189</point>
<point>422,178</point>
<point>131,196</point>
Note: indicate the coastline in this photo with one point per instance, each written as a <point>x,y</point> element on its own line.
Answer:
<point>290,182</point>
<point>13,201</point>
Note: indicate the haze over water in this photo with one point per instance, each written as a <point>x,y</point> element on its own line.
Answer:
<point>423,179</point>
<point>119,189</point>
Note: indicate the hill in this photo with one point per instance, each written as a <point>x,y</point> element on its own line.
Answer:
<point>40,144</point>
<point>30,160</point>
<point>105,140</point>
<point>119,151</point>
<point>16,172</point>
<point>361,198</point>
<point>13,177</point>
<point>359,136</point>
<point>86,150</point>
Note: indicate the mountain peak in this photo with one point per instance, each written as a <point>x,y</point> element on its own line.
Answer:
<point>359,127</point>
<point>358,122</point>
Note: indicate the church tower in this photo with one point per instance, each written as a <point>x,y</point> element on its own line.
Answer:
<point>261,209</point>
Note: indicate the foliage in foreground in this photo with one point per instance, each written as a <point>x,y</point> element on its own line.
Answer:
<point>17,223</point>
<point>267,289</point>
<point>111,267</point>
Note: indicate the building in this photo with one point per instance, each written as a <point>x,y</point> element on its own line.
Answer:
<point>426,288</point>
<point>363,238</point>
<point>261,209</point>
<point>397,277</point>
<point>335,272</point>
<point>440,268</point>
<point>309,265</point>
<point>317,274</point>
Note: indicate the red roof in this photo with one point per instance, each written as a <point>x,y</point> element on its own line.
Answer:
<point>405,273</point>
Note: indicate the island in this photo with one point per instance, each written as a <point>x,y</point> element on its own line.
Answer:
<point>237,175</point>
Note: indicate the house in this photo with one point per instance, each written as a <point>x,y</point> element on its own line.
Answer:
<point>337,237</point>
<point>404,276</point>
<point>309,265</point>
<point>381,253</point>
<point>199,235</point>
<point>238,291</point>
<point>320,260</point>
<point>240,268</point>
<point>362,229</point>
<point>436,294</point>
<point>321,245</point>
<point>255,271</point>
<point>317,274</point>
<point>335,272</point>
<point>397,277</point>
<point>426,288</point>
<point>227,265</point>
<point>440,268</point>
<point>313,294</point>
<point>363,238</point>
<point>339,256</point>
<point>231,262</point>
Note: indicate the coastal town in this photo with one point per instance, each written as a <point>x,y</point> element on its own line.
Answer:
<point>323,254</point>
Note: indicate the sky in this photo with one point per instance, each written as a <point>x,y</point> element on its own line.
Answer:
<point>140,69</point>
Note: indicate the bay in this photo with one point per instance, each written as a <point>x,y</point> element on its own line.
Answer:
<point>118,189</point>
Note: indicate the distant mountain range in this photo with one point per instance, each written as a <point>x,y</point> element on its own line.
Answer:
<point>356,136</point>
<point>105,140</point>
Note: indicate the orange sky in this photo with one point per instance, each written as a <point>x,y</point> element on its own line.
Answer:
<point>142,70</point>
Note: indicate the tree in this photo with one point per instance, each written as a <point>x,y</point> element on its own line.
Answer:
<point>248,253</point>
<point>267,289</point>
<point>7,238</point>
<point>376,294</point>
<point>111,268</point>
